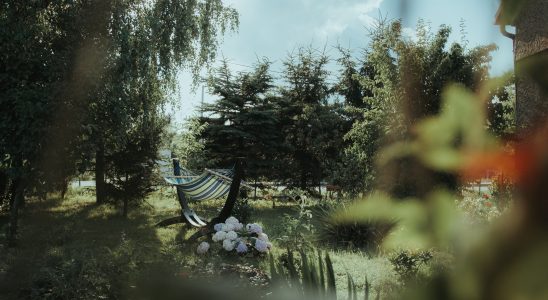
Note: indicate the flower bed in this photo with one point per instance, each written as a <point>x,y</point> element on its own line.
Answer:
<point>233,236</point>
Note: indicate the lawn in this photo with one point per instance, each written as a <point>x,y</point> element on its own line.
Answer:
<point>73,248</point>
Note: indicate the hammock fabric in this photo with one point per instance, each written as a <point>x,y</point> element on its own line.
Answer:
<point>212,184</point>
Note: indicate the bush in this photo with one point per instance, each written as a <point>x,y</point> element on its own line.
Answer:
<point>297,230</point>
<point>366,235</point>
<point>407,263</point>
<point>479,209</point>
<point>502,190</point>
<point>243,211</point>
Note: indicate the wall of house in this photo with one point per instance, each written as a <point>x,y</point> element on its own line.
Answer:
<point>531,54</point>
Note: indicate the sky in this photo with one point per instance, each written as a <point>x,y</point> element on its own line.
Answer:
<point>274,28</point>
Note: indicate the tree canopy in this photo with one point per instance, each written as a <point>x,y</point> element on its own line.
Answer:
<point>84,82</point>
<point>294,128</point>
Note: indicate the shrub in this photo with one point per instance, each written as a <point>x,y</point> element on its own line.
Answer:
<point>502,190</point>
<point>407,263</point>
<point>366,235</point>
<point>243,211</point>
<point>297,230</point>
<point>479,209</point>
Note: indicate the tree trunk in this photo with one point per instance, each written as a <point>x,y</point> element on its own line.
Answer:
<point>64,189</point>
<point>320,188</point>
<point>126,199</point>
<point>3,187</point>
<point>124,211</point>
<point>11,192</point>
<point>18,199</point>
<point>303,178</point>
<point>100,174</point>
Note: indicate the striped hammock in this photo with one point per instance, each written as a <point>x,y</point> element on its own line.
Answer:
<point>212,184</point>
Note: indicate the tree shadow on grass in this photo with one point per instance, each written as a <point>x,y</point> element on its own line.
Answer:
<point>76,249</point>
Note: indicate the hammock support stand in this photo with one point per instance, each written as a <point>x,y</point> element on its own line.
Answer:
<point>189,217</point>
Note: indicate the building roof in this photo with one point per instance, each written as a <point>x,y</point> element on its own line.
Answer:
<point>508,11</point>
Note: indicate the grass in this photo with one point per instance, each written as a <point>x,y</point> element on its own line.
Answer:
<point>75,249</point>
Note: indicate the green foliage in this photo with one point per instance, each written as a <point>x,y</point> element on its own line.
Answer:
<point>407,263</point>
<point>298,231</point>
<point>367,235</point>
<point>350,174</point>
<point>479,210</point>
<point>503,191</point>
<point>85,277</point>
<point>95,79</point>
<point>242,123</point>
<point>429,218</point>
<point>308,276</point>
<point>501,108</point>
<point>349,86</point>
<point>188,147</point>
<point>296,133</point>
<point>141,72</point>
<point>402,82</point>
<point>295,194</point>
<point>313,276</point>
<point>293,133</point>
<point>311,125</point>
<point>243,211</point>
<point>130,167</point>
<point>457,144</point>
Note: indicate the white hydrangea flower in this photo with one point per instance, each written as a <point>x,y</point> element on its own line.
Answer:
<point>219,236</point>
<point>262,236</point>
<point>231,235</point>
<point>242,248</point>
<point>218,227</point>
<point>229,227</point>
<point>232,220</point>
<point>229,245</point>
<point>238,227</point>
<point>254,228</point>
<point>202,248</point>
<point>261,245</point>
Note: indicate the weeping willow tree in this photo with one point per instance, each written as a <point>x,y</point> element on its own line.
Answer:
<point>96,76</point>
<point>149,41</point>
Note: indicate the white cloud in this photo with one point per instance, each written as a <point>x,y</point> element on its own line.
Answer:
<point>339,15</point>
<point>331,27</point>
